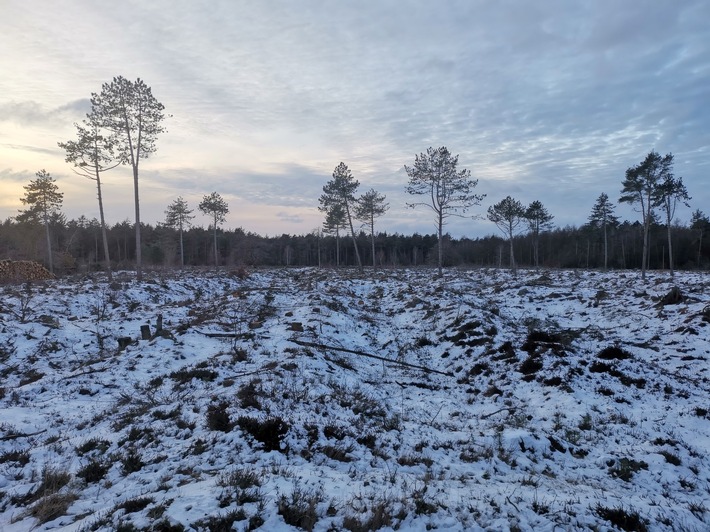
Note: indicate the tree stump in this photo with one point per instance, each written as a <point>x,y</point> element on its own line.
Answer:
<point>145,332</point>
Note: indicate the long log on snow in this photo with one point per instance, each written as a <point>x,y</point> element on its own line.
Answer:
<point>369,355</point>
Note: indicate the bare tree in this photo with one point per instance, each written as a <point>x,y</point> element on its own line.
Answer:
<point>371,205</point>
<point>449,191</point>
<point>214,206</point>
<point>508,214</point>
<point>130,111</point>
<point>92,154</point>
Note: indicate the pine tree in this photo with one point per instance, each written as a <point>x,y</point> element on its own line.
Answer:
<point>92,154</point>
<point>538,219</point>
<point>178,216</point>
<point>371,205</point>
<point>508,214</point>
<point>214,206</point>
<point>602,217</point>
<point>450,192</point>
<point>45,201</point>
<point>339,192</point>
<point>130,111</point>
<point>668,193</point>
<point>641,186</point>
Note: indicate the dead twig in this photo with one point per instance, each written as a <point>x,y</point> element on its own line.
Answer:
<point>368,355</point>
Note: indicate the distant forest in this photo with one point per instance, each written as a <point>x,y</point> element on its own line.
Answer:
<point>77,247</point>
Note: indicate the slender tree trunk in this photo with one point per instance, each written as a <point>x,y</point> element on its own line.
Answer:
<point>606,256</point>
<point>670,245</point>
<point>513,266</point>
<point>139,255</point>
<point>441,243</point>
<point>337,247</point>
<point>216,262</point>
<point>352,234</point>
<point>372,234</point>
<point>700,248</point>
<point>103,226</point>
<point>182,250</point>
<point>49,245</point>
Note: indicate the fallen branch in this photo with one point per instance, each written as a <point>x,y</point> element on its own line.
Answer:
<point>21,435</point>
<point>509,408</point>
<point>368,355</point>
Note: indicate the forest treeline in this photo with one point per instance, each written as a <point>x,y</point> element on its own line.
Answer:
<point>77,247</point>
<point>126,119</point>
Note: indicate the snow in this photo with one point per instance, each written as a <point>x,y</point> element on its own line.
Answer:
<point>524,426</point>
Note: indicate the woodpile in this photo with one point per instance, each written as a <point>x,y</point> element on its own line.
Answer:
<point>19,271</point>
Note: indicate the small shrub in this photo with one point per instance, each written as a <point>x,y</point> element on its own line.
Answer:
<point>220,523</point>
<point>339,453</point>
<point>94,471</point>
<point>270,431</point>
<point>21,457</point>
<point>619,517</point>
<point>613,353</point>
<point>218,417</point>
<point>131,462</point>
<point>530,365</point>
<point>248,395</point>
<point>670,457</point>
<point>300,508</point>
<point>135,505</point>
<point>184,376</point>
<point>51,507</point>
<point>626,467</point>
<point>94,444</point>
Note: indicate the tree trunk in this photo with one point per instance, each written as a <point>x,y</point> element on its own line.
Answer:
<point>182,250</point>
<point>139,255</point>
<point>605,249</point>
<point>352,234</point>
<point>103,227</point>
<point>216,262</point>
<point>441,247</point>
<point>49,245</point>
<point>670,245</point>
<point>372,235</point>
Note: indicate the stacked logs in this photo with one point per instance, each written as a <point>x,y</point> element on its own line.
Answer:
<point>19,271</point>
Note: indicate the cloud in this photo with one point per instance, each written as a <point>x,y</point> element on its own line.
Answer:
<point>30,113</point>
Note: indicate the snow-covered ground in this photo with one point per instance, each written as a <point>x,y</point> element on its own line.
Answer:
<point>558,400</point>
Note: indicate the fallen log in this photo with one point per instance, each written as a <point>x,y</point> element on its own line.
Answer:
<point>369,355</point>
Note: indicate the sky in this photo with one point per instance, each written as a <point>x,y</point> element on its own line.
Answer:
<point>548,101</point>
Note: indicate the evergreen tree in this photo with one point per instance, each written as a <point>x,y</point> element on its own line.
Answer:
<point>130,111</point>
<point>44,203</point>
<point>668,193</point>
<point>538,219</point>
<point>178,216</point>
<point>508,214</point>
<point>602,217</point>
<point>334,222</point>
<point>92,154</point>
<point>339,192</point>
<point>371,205</point>
<point>450,192</point>
<point>700,223</point>
<point>641,187</point>
<point>214,206</point>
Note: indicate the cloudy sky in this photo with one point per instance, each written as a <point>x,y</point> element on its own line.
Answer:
<point>549,100</point>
